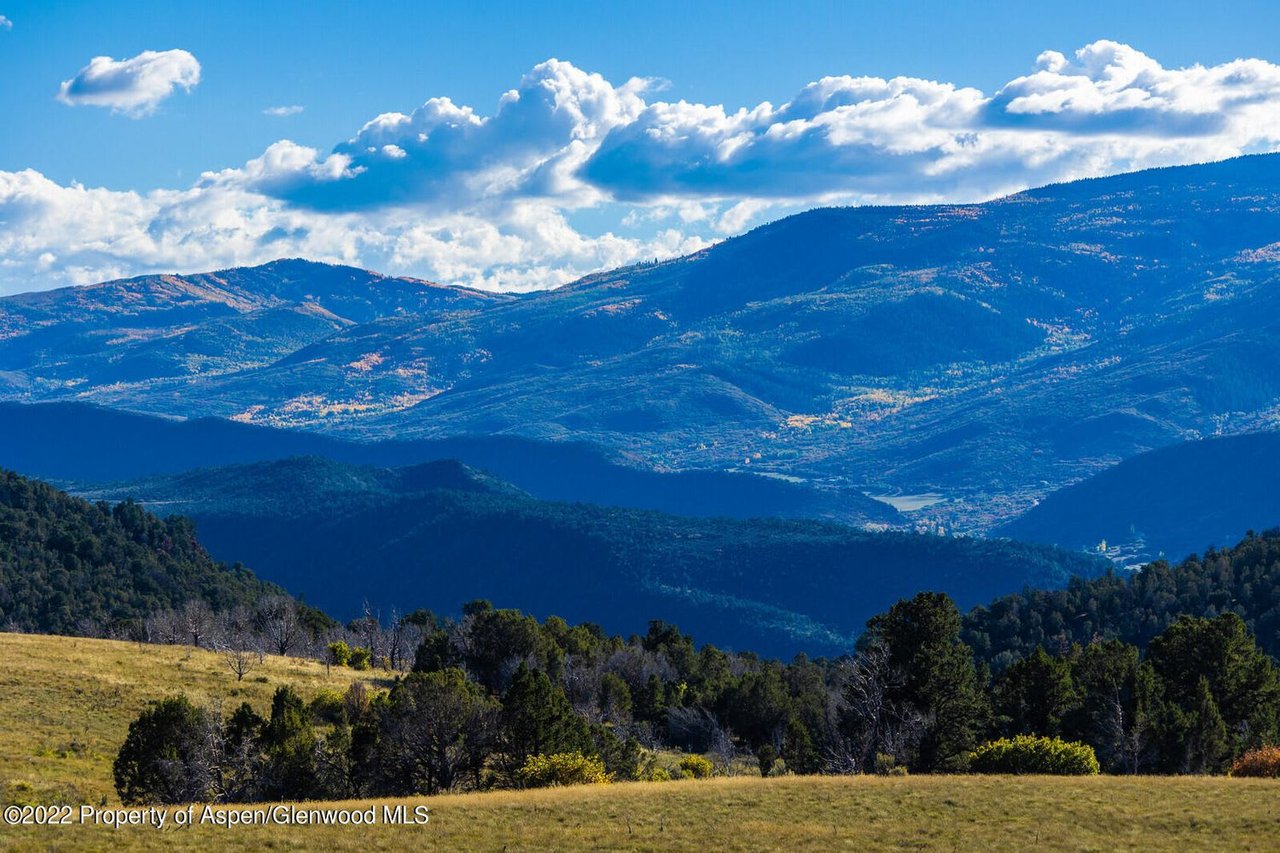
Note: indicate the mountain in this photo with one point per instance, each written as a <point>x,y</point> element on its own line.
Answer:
<point>441,534</point>
<point>80,443</point>
<point>1168,502</point>
<point>68,566</point>
<point>988,353</point>
<point>159,329</point>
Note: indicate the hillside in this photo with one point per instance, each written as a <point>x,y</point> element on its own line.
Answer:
<point>1244,579</point>
<point>986,352</point>
<point>70,566</point>
<point>1169,502</point>
<point>81,443</point>
<point>156,328</point>
<point>69,701</point>
<point>338,535</point>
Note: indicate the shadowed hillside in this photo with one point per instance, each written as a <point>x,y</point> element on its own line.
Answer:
<point>441,534</point>
<point>1169,502</point>
<point>75,442</point>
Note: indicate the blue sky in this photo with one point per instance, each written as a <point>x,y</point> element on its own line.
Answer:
<point>632,146</point>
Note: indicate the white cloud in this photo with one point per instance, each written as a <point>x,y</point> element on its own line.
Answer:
<point>134,86</point>
<point>5,23</point>
<point>571,173</point>
<point>283,111</point>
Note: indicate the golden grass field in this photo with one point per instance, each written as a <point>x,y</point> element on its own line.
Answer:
<point>66,703</point>
<point>56,691</point>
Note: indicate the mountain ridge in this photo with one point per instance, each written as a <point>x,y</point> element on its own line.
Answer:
<point>1168,502</point>
<point>990,353</point>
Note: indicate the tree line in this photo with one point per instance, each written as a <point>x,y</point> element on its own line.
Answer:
<point>1136,606</point>
<point>496,691</point>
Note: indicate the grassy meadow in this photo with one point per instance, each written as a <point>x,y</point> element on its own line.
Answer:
<point>66,703</point>
<point>793,813</point>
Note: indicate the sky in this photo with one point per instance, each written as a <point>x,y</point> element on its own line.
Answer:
<point>518,146</point>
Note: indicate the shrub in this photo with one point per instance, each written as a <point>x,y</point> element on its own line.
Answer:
<point>563,768</point>
<point>165,757</point>
<point>765,757</point>
<point>360,658</point>
<point>1032,754</point>
<point>1263,762</point>
<point>696,767</point>
<point>655,774</point>
<point>887,765</point>
<point>329,706</point>
<point>339,653</point>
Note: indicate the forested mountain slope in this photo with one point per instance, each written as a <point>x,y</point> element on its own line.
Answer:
<point>441,534</point>
<point>69,566</point>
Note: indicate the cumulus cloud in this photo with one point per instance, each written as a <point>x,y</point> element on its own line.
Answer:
<point>572,136</point>
<point>570,172</point>
<point>283,111</point>
<point>134,86</point>
<point>446,155</point>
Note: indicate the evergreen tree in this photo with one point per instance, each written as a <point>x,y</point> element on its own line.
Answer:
<point>436,728</point>
<point>757,707</point>
<point>798,751</point>
<point>288,743</point>
<point>498,638</point>
<point>651,704</point>
<point>1105,674</point>
<point>1242,680</point>
<point>938,677</point>
<point>1208,747</point>
<point>165,757</point>
<point>538,720</point>
<point>1034,695</point>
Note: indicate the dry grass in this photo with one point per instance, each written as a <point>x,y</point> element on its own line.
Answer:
<point>798,813</point>
<point>66,703</point>
<point>57,691</point>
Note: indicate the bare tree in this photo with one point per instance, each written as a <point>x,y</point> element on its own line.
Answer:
<point>581,682</point>
<point>871,722</point>
<point>197,619</point>
<point>279,623</point>
<point>164,626</point>
<point>240,661</point>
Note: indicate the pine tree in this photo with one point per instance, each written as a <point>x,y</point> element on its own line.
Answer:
<point>288,741</point>
<point>1034,695</point>
<point>938,677</point>
<point>537,719</point>
<point>1208,748</point>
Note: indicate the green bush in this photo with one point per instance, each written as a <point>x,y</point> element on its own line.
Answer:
<point>655,774</point>
<point>696,767</point>
<point>887,765</point>
<point>1033,754</point>
<point>165,758</point>
<point>339,653</point>
<point>360,658</point>
<point>329,706</point>
<point>563,768</point>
